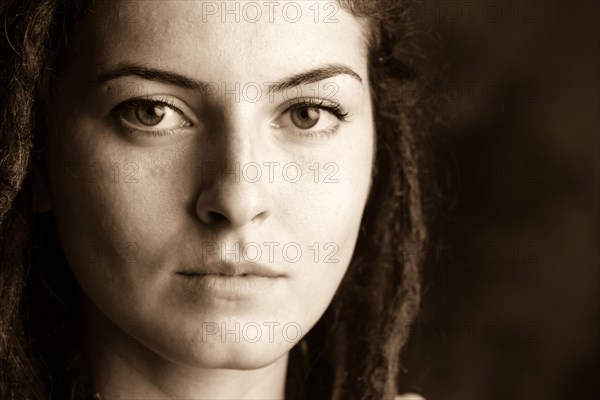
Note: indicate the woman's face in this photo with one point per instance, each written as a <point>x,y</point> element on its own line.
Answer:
<point>209,165</point>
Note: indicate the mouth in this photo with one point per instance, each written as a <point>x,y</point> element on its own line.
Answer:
<point>231,270</point>
<point>240,282</point>
<point>194,273</point>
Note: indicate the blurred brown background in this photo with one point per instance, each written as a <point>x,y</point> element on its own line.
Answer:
<point>511,305</point>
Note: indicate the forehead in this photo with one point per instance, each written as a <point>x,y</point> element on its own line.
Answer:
<point>236,39</point>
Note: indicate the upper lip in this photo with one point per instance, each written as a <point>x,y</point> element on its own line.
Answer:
<point>232,269</point>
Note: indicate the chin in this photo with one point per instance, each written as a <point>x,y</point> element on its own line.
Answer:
<point>240,356</point>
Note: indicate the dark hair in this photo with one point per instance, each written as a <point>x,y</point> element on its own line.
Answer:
<point>354,349</point>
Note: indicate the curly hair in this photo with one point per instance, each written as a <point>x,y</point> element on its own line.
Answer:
<point>354,349</point>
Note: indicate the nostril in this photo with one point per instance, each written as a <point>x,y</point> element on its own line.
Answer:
<point>216,218</point>
<point>221,209</point>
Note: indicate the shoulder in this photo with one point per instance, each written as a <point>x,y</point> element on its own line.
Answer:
<point>409,396</point>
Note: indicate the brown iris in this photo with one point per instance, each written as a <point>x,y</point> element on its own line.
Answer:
<point>305,117</point>
<point>151,114</point>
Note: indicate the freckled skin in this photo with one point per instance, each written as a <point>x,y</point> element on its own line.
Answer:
<point>150,192</point>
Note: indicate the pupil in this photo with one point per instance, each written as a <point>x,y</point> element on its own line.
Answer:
<point>306,117</point>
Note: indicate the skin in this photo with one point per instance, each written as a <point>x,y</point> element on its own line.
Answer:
<point>133,209</point>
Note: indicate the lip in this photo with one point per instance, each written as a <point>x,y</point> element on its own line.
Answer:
<point>231,287</point>
<point>227,269</point>
<point>232,281</point>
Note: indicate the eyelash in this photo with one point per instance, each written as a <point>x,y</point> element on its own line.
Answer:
<point>335,109</point>
<point>121,109</point>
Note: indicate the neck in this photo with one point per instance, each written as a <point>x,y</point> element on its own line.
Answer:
<point>123,368</point>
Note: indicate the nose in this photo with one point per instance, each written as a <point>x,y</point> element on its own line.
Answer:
<point>234,192</point>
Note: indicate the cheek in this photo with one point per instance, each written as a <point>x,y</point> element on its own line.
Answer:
<point>115,211</point>
<point>330,206</point>
<point>328,214</point>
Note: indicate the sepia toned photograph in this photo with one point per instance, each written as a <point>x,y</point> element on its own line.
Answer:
<point>299,200</point>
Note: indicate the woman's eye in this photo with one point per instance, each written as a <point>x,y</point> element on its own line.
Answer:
<point>311,118</point>
<point>155,115</point>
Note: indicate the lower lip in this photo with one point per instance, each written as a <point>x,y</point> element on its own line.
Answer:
<point>231,287</point>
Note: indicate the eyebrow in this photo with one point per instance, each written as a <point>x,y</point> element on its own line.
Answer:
<point>172,78</point>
